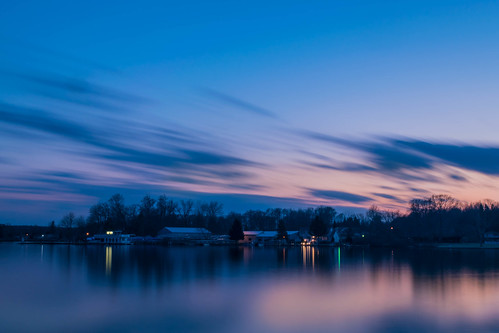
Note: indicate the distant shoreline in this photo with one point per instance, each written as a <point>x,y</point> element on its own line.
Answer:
<point>471,246</point>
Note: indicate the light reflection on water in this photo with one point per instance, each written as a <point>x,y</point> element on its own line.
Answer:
<point>220,289</point>
<point>109,259</point>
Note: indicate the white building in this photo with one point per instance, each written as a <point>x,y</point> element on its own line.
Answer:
<point>111,238</point>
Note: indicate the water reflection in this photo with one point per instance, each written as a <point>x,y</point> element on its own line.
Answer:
<point>109,259</point>
<point>219,289</point>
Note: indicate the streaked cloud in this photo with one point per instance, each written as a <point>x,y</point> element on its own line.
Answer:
<point>339,195</point>
<point>390,197</point>
<point>238,103</point>
<point>43,121</point>
<point>480,158</point>
<point>392,154</point>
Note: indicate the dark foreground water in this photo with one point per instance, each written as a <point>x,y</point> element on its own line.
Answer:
<point>57,288</point>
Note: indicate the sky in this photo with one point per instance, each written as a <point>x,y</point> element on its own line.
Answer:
<point>255,104</point>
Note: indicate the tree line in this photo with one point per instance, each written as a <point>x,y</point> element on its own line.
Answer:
<point>151,215</point>
<point>437,218</point>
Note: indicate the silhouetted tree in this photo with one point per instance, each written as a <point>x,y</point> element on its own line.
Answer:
<point>186,207</point>
<point>131,212</point>
<point>80,222</point>
<point>171,207</point>
<point>214,208</point>
<point>98,217</point>
<point>162,207</point>
<point>117,214</point>
<point>236,232</point>
<point>276,215</point>
<point>68,220</point>
<point>147,221</point>
<point>146,207</point>
<point>52,228</point>
<point>318,228</point>
<point>374,215</point>
<point>281,230</point>
<point>326,214</point>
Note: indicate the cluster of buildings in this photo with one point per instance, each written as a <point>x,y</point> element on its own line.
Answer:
<point>181,235</point>
<point>201,236</point>
<point>270,237</point>
<point>176,235</point>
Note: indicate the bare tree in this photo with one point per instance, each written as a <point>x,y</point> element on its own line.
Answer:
<point>68,220</point>
<point>162,206</point>
<point>117,211</point>
<point>214,209</point>
<point>131,211</point>
<point>374,215</point>
<point>147,206</point>
<point>171,207</point>
<point>442,202</point>
<point>99,213</point>
<point>80,222</point>
<point>186,209</point>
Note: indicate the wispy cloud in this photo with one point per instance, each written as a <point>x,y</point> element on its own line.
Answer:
<point>390,197</point>
<point>484,159</point>
<point>238,103</point>
<point>393,155</point>
<point>457,177</point>
<point>167,153</point>
<point>339,195</point>
<point>76,91</point>
<point>340,166</point>
<point>39,120</point>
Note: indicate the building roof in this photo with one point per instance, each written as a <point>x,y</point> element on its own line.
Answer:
<point>268,234</point>
<point>176,230</point>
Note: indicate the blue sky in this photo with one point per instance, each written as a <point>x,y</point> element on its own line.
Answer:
<point>255,104</point>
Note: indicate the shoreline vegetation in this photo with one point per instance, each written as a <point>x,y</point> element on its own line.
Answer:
<point>437,221</point>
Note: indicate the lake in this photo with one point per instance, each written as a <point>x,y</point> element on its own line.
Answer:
<point>48,288</point>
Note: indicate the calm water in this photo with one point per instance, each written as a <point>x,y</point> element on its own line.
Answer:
<point>218,289</point>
